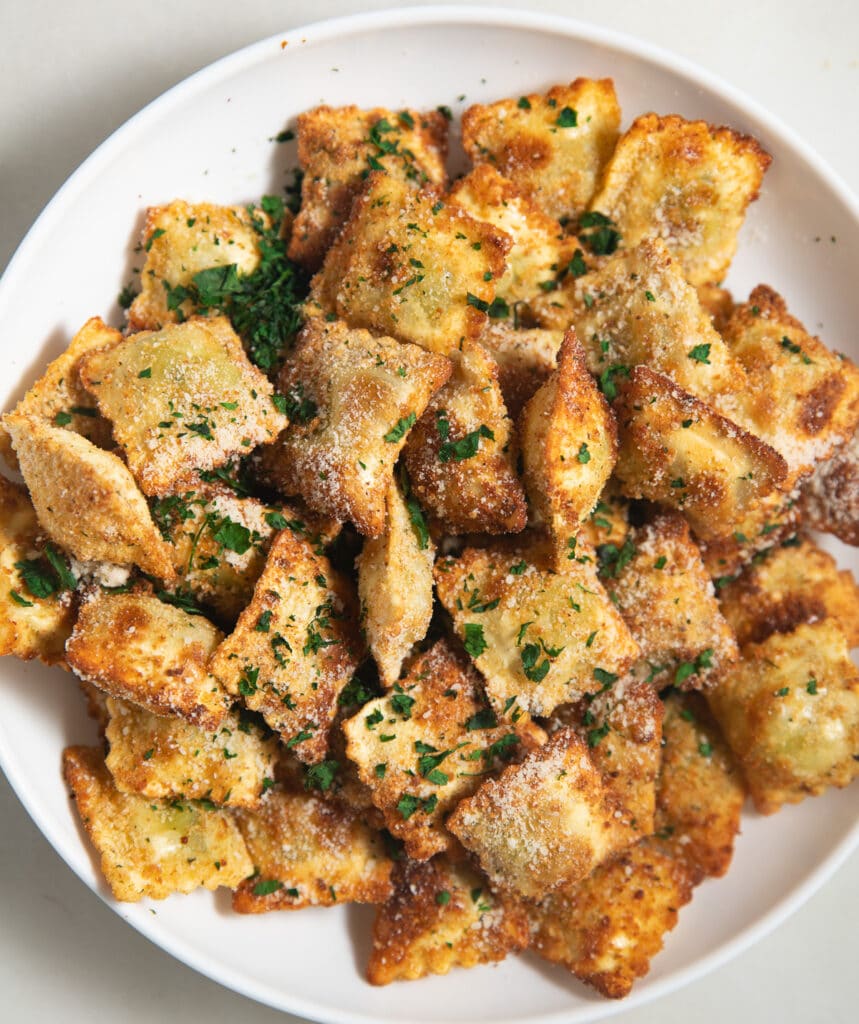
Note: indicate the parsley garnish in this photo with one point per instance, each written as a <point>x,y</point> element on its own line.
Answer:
<point>568,118</point>
<point>584,455</point>
<point>401,428</point>
<point>604,237</point>
<point>321,776</point>
<point>267,887</point>
<point>466,447</point>
<point>701,353</point>
<point>474,641</point>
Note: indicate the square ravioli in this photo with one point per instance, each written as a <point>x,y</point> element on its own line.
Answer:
<point>58,395</point>
<point>793,582</point>
<point>425,746</point>
<point>182,240</point>
<point>460,457</point>
<point>309,852</point>
<point>539,245</point>
<point>790,713</point>
<point>410,265</point>
<point>182,399</point>
<point>442,914</point>
<point>829,498</point>
<point>802,399</point>
<point>152,848</point>
<point>665,595</point>
<point>608,928</point>
<point>32,625</point>
<point>395,585</point>
<point>540,637</point>
<point>337,149</point>
<point>553,147</point>
<point>543,824</point>
<point>136,647</point>
<point>569,445</point>
<point>166,758</point>
<point>525,358</point>
<point>294,647</point>
<point>352,399</point>
<point>622,726</point>
<point>680,452</point>
<point>687,182</point>
<point>85,498</point>
<point>700,793</point>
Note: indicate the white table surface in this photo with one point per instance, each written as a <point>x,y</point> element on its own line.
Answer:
<point>72,72</point>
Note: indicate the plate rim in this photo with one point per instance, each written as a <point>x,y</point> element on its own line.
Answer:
<point>322,31</point>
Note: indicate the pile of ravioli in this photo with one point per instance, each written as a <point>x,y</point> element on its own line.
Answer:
<point>486,594</point>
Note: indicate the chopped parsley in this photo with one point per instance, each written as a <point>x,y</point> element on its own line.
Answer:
<point>700,353</point>
<point>466,447</point>
<point>401,428</point>
<point>321,776</point>
<point>568,118</point>
<point>602,238</point>
<point>474,641</point>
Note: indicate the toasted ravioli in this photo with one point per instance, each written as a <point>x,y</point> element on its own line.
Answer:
<point>680,452</point>
<point>527,626</point>
<point>410,265</point>
<point>608,928</point>
<point>553,147</point>
<point>294,647</point>
<point>665,596</point>
<point>152,848</point>
<point>700,791</point>
<point>829,498</point>
<point>395,585</point>
<point>220,541</point>
<point>180,240</point>
<point>354,398</point>
<point>31,626</point>
<point>58,395</point>
<point>638,308</point>
<point>165,758</point>
<point>85,498</point>
<point>569,444</point>
<point>773,520</point>
<point>622,725</point>
<point>794,582</point>
<point>543,824</point>
<point>424,747</point>
<point>717,303</point>
<point>608,523</point>
<point>460,456</point>
<point>136,647</point>
<point>525,360</point>
<point>802,399</point>
<point>687,182</point>
<point>337,149</point>
<point>309,852</point>
<point>441,915</point>
<point>790,714</point>
<point>182,399</point>
<point>539,245</point>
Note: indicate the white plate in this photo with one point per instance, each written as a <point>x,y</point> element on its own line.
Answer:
<point>209,139</point>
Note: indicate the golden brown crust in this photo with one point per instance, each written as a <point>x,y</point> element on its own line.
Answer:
<point>682,453</point>
<point>829,498</point>
<point>774,520</point>
<point>168,758</point>
<point>152,848</point>
<point>30,626</point>
<point>339,146</point>
<point>181,239</point>
<point>182,399</point>
<point>405,264</point>
<point>527,625</point>
<point>441,915</point>
<point>608,928</point>
<point>309,852</point>
<point>86,499</point>
<point>700,792</point>
<point>790,713</point>
<point>135,647</point>
<point>357,397</point>
<point>555,157</point>
<point>544,824</point>
<point>525,360</point>
<point>395,587</point>
<point>687,182</point>
<point>294,647</point>
<point>426,746</point>
<point>460,457</point>
<point>802,399</point>
<point>666,597</point>
<point>569,445</point>
<point>792,583</point>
